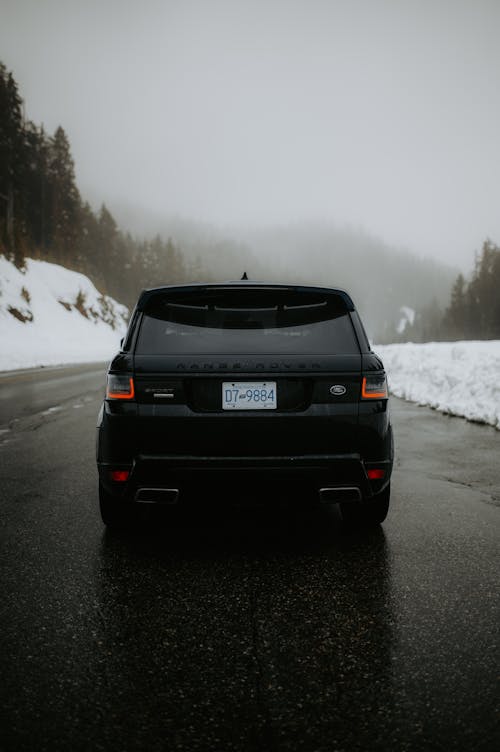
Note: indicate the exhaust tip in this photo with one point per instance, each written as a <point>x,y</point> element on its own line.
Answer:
<point>337,494</point>
<point>157,495</point>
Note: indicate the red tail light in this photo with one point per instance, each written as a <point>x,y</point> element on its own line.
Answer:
<point>374,387</point>
<point>120,386</point>
<point>375,473</point>
<point>119,476</point>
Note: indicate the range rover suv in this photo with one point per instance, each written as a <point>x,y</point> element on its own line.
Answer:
<point>242,385</point>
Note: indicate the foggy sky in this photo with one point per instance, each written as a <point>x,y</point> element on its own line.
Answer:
<point>381,114</point>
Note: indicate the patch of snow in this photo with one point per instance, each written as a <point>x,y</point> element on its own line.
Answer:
<point>407,317</point>
<point>50,315</point>
<point>459,378</point>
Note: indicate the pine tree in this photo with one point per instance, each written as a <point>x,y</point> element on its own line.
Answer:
<point>456,314</point>
<point>64,198</point>
<point>484,288</point>
<point>11,128</point>
<point>32,168</point>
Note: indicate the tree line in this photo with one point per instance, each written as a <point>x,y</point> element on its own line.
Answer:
<point>472,311</point>
<point>43,216</point>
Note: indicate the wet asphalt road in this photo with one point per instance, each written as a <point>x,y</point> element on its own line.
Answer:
<point>244,629</point>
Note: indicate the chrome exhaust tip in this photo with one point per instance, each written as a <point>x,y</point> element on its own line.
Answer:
<point>337,494</point>
<point>157,495</point>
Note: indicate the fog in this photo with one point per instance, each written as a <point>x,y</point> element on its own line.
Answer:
<point>380,115</point>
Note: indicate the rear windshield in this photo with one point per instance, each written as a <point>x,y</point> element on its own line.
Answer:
<point>311,326</point>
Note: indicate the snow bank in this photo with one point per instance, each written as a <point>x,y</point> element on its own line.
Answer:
<point>50,315</point>
<point>459,378</point>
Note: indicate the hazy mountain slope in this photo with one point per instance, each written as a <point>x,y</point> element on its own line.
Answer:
<point>381,279</point>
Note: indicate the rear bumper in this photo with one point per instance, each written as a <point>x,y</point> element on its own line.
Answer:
<point>344,476</point>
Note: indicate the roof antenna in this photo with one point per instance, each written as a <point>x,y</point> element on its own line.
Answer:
<point>244,276</point>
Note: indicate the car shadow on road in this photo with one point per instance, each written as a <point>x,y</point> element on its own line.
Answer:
<point>242,528</point>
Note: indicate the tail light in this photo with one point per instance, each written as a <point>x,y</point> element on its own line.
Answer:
<point>119,476</point>
<point>375,473</point>
<point>374,387</point>
<point>120,387</point>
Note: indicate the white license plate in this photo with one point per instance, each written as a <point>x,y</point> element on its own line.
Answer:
<point>249,395</point>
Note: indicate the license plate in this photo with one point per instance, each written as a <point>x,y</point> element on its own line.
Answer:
<point>249,395</point>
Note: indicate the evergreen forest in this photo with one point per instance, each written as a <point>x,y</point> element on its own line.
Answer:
<point>43,216</point>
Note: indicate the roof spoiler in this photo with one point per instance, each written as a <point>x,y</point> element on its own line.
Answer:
<point>183,293</point>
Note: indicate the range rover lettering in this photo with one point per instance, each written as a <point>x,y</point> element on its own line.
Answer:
<point>244,385</point>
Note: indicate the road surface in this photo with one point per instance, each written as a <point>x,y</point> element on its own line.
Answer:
<point>244,629</point>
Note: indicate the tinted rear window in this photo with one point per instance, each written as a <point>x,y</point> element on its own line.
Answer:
<point>247,325</point>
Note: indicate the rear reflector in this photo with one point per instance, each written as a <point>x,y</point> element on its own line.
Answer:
<point>120,387</point>
<point>375,473</point>
<point>119,476</point>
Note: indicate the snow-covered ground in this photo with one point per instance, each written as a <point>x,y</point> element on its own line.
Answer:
<point>50,315</point>
<point>460,378</point>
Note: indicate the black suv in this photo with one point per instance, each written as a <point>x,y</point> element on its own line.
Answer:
<point>245,386</point>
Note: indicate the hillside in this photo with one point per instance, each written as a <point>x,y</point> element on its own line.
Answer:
<point>50,315</point>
